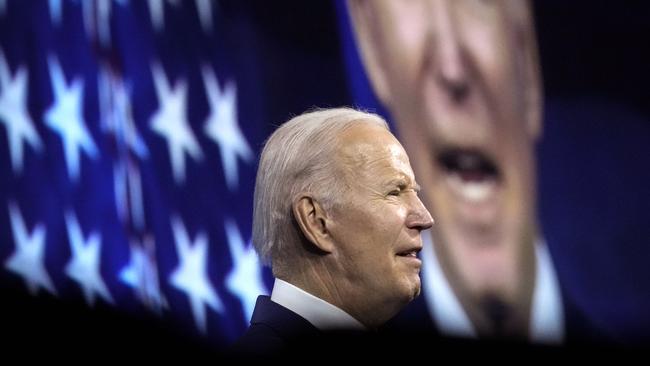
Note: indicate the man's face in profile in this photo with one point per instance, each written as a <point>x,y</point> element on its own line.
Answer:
<point>376,224</point>
<point>460,79</point>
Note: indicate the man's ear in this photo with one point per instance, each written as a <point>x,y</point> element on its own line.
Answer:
<point>365,30</point>
<point>312,220</point>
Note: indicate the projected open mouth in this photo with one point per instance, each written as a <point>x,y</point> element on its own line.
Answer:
<point>471,174</point>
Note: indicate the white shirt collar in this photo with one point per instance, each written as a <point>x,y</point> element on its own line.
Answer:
<point>547,313</point>
<point>318,312</point>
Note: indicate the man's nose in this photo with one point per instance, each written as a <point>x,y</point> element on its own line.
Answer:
<point>419,217</point>
<point>446,51</point>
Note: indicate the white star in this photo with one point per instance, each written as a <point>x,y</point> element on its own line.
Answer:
<point>84,265</point>
<point>171,122</point>
<point>245,278</point>
<point>28,259</point>
<point>65,117</point>
<point>117,120</point>
<point>222,126</point>
<point>156,10</point>
<point>117,113</point>
<point>191,275</point>
<point>55,11</point>
<point>204,8</point>
<point>142,275</point>
<point>14,114</point>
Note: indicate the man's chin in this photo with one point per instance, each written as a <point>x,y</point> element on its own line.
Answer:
<point>416,293</point>
<point>409,290</point>
<point>480,268</point>
<point>415,290</point>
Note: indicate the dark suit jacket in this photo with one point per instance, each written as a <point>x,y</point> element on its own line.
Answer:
<point>273,329</point>
<point>416,318</point>
<point>279,332</point>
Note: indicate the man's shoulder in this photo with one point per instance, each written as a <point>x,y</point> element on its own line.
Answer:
<point>284,322</point>
<point>259,339</point>
<point>273,328</point>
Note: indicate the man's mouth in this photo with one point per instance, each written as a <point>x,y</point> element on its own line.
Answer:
<point>472,174</point>
<point>411,253</point>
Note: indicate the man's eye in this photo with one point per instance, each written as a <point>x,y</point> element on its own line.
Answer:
<point>394,193</point>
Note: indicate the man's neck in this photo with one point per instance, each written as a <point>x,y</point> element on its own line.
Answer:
<point>335,290</point>
<point>504,312</point>
<point>319,312</point>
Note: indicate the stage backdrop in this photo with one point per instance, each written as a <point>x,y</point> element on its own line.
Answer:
<point>130,133</point>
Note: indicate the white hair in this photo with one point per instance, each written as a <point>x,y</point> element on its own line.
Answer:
<point>298,157</point>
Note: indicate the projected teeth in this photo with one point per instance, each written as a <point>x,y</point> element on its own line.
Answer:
<point>474,191</point>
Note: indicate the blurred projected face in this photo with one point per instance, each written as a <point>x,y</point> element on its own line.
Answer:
<point>461,81</point>
<point>376,226</point>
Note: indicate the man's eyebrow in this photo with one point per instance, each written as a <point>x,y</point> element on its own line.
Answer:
<point>402,182</point>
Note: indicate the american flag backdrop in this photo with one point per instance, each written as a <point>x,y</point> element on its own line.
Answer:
<point>129,137</point>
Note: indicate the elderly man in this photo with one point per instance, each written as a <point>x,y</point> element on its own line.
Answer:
<point>461,80</point>
<point>338,218</point>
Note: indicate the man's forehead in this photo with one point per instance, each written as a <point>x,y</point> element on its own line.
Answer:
<point>376,152</point>
<point>365,143</point>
